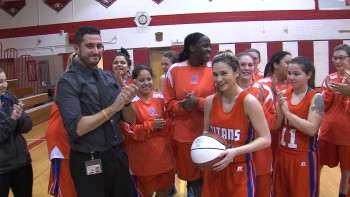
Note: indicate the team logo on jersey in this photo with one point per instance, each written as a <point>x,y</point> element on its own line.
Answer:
<point>194,79</point>
<point>303,164</point>
<point>239,169</point>
<point>227,134</point>
<point>153,112</point>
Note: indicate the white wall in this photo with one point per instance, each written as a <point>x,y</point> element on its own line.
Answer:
<point>37,13</point>
<point>223,33</point>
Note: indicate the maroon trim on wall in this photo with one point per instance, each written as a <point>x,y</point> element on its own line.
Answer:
<point>179,19</point>
<point>108,59</point>
<point>65,57</point>
<point>177,48</point>
<point>272,48</point>
<point>331,45</point>
<point>141,56</point>
<point>306,48</point>
<point>241,47</point>
<point>214,51</point>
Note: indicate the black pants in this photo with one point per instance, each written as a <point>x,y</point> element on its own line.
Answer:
<point>20,181</point>
<point>114,181</point>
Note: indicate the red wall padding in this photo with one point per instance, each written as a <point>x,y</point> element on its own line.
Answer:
<point>306,49</point>
<point>141,56</point>
<point>272,48</point>
<point>241,47</point>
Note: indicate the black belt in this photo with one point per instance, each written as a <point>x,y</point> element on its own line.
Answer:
<point>110,151</point>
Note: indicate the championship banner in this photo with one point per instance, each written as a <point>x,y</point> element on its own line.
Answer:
<point>106,3</point>
<point>12,7</point>
<point>56,5</point>
<point>158,1</point>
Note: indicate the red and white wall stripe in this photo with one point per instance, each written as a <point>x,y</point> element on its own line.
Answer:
<point>319,52</point>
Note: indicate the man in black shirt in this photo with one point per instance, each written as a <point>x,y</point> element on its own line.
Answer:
<point>91,104</point>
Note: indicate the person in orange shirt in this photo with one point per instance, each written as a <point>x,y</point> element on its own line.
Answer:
<point>296,166</point>
<point>236,115</point>
<point>262,158</point>
<point>148,146</point>
<point>60,182</point>
<point>276,78</point>
<point>169,58</point>
<point>187,84</point>
<point>335,128</point>
<point>121,66</point>
<point>258,74</point>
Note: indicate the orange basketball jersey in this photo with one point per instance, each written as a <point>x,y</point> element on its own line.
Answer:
<point>199,80</point>
<point>263,158</point>
<point>258,75</point>
<point>56,135</point>
<point>233,126</point>
<point>335,126</point>
<point>148,148</point>
<point>291,139</point>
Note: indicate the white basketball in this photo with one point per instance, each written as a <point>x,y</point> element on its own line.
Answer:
<point>206,149</point>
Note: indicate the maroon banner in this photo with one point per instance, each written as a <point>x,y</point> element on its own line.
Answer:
<point>56,5</point>
<point>12,7</point>
<point>158,1</point>
<point>106,3</point>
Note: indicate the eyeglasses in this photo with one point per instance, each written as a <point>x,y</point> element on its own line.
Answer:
<point>341,58</point>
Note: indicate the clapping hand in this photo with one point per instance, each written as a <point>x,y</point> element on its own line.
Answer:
<point>17,111</point>
<point>158,122</point>
<point>189,102</point>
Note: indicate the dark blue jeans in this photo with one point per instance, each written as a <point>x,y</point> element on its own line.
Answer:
<point>20,181</point>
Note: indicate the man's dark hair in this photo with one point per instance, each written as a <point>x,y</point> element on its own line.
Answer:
<point>78,36</point>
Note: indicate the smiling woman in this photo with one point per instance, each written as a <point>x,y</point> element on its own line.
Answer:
<point>15,162</point>
<point>147,144</point>
<point>186,86</point>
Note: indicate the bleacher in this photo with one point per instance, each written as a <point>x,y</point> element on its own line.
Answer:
<point>37,106</point>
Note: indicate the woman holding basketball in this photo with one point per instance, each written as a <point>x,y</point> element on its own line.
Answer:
<point>148,147</point>
<point>235,115</point>
<point>296,165</point>
<point>187,84</point>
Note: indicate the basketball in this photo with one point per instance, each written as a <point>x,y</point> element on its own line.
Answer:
<point>206,149</point>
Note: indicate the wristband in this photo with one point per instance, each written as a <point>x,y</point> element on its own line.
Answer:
<point>104,113</point>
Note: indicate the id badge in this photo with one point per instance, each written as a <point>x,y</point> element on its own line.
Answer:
<point>93,167</point>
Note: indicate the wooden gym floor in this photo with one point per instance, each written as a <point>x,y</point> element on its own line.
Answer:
<point>41,166</point>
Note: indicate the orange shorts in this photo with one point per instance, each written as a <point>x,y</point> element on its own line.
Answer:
<point>147,185</point>
<point>333,154</point>
<point>296,175</point>
<point>186,169</point>
<point>60,181</point>
<point>263,185</point>
<point>237,179</point>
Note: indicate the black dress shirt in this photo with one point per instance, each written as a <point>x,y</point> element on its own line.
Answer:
<point>77,96</point>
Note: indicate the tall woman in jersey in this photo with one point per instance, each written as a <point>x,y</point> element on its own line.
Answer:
<point>335,128</point>
<point>121,67</point>
<point>296,167</point>
<point>187,84</point>
<point>235,115</point>
<point>149,151</point>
